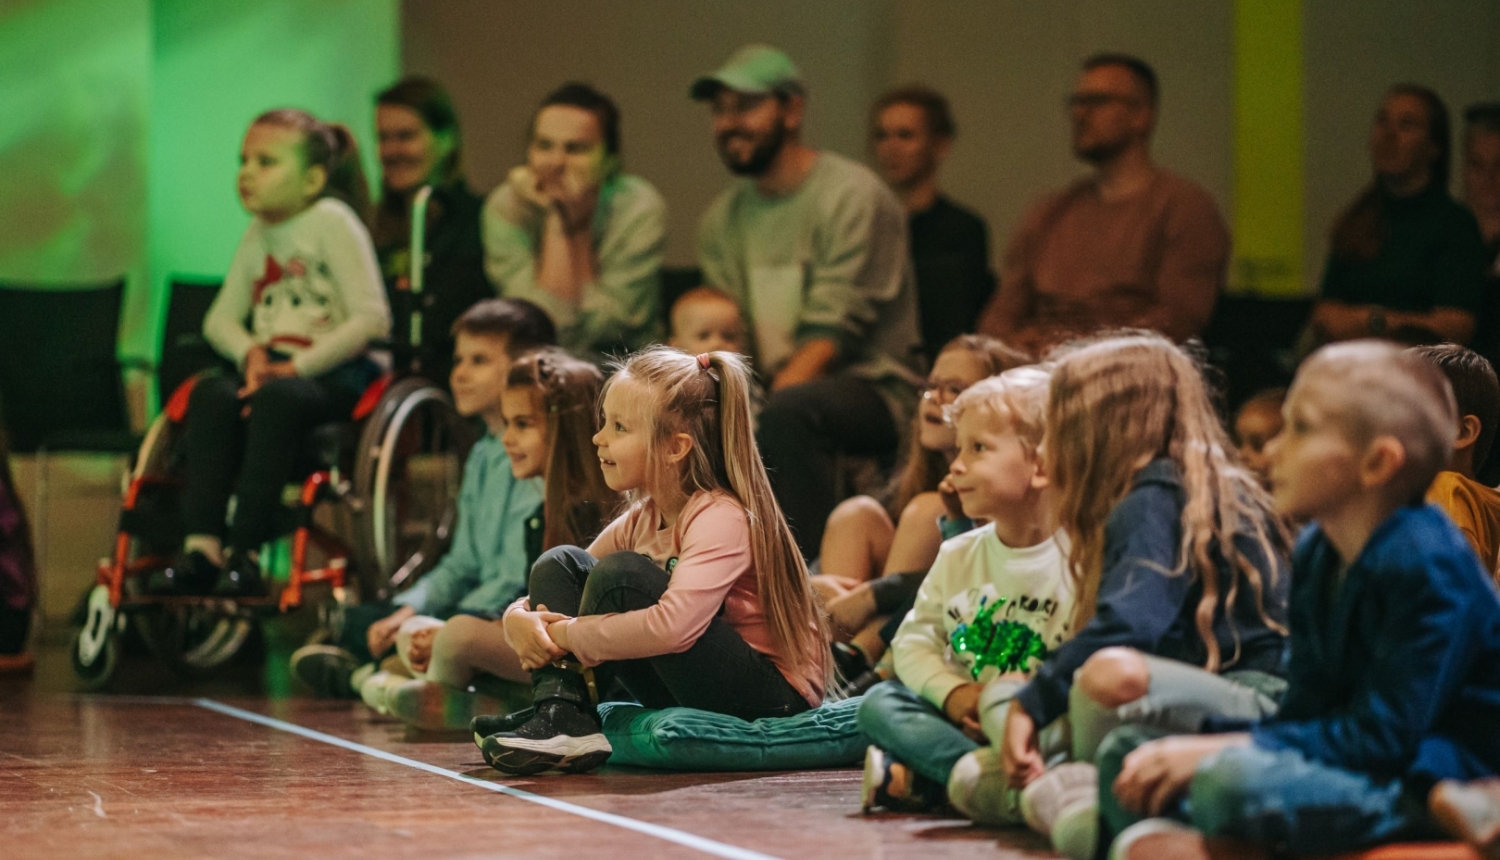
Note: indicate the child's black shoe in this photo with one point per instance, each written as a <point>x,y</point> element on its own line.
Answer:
<point>560,734</point>
<point>327,669</point>
<point>241,578</point>
<point>191,574</point>
<point>485,725</point>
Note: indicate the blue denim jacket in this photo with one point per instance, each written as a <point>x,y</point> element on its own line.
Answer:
<point>1398,674</point>
<point>1144,604</point>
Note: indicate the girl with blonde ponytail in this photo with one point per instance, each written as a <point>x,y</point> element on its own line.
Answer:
<point>695,596</point>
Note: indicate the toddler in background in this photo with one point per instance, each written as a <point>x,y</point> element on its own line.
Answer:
<point>1394,673</point>
<point>996,601</point>
<point>1472,506</point>
<point>705,319</point>
<point>1256,423</point>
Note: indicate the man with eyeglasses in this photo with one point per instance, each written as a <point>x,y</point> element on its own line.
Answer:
<point>814,248</point>
<point>1131,244</point>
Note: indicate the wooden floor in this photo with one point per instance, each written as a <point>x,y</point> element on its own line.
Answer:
<point>163,768</point>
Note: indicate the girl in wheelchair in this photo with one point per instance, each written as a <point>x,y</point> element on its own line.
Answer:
<point>550,405</point>
<point>305,280</point>
<point>497,535</point>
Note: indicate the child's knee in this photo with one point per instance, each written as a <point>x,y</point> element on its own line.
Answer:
<point>859,514</point>
<point>560,562</point>
<point>214,392</point>
<point>873,714</point>
<point>1226,789</point>
<point>1114,676</point>
<point>625,580</point>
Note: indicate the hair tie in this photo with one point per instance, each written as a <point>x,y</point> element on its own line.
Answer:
<point>703,360</point>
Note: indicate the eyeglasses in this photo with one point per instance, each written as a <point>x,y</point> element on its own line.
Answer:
<point>1090,101</point>
<point>944,391</point>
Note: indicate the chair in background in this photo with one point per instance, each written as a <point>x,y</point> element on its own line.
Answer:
<point>1253,341</point>
<point>184,351</point>
<point>61,387</point>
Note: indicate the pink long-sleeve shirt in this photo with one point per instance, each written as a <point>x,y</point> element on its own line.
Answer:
<point>711,544</point>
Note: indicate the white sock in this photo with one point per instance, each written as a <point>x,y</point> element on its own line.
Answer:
<point>211,547</point>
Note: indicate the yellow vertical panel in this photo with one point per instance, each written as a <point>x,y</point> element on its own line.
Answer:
<point>1268,148</point>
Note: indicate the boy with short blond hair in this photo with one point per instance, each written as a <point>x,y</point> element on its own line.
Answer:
<point>996,600</point>
<point>1394,674</point>
<point>1472,506</point>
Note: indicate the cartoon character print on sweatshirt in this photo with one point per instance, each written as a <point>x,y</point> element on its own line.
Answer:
<point>990,634</point>
<point>292,305</point>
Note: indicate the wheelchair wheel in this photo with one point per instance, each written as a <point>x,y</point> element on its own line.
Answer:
<point>406,479</point>
<point>96,647</point>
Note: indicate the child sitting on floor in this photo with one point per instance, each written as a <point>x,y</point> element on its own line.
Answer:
<point>305,279</point>
<point>1179,566</point>
<point>876,551</point>
<point>1472,506</point>
<point>996,600</point>
<point>486,563</point>
<point>1256,423</point>
<point>549,408</point>
<point>697,596</point>
<point>705,319</point>
<point>1394,675</point>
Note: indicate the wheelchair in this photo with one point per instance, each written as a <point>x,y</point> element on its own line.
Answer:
<point>375,511</point>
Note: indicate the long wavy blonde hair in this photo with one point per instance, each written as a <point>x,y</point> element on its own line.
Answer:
<point>708,398</point>
<point>1116,403</point>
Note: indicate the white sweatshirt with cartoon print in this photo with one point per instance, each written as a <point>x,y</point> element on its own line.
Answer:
<point>985,609</point>
<point>309,286</point>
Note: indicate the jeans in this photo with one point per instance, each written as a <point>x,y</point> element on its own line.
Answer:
<point>719,673</point>
<point>802,430</point>
<point>1178,700</point>
<point>254,457</point>
<point>912,730</point>
<point>1277,799</point>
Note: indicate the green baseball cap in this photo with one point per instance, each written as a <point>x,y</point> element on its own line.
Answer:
<point>755,69</point>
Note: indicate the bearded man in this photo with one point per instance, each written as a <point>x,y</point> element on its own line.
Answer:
<point>814,248</point>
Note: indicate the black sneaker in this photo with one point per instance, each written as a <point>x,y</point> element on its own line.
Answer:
<point>241,578</point>
<point>559,735</point>
<point>485,725</point>
<point>191,574</point>
<point>326,669</point>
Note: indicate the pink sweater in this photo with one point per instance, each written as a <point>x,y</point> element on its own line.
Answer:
<point>711,543</point>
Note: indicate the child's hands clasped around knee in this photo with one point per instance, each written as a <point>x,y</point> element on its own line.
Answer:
<point>419,655</point>
<point>526,631</point>
<point>853,609</point>
<point>1018,749</point>
<point>382,634</point>
<point>1157,773</point>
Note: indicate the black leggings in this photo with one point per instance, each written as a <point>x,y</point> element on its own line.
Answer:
<point>803,429</point>
<point>255,456</point>
<point>720,672</point>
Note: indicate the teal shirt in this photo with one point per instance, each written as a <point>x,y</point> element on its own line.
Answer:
<point>486,566</point>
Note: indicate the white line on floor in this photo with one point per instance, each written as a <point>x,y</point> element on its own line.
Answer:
<point>707,846</point>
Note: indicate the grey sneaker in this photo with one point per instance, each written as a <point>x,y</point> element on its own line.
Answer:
<point>1158,839</point>
<point>1061,787</point>
<point>977,787</point>
<point>431,706</point>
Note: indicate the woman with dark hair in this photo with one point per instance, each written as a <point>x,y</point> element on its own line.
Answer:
<point>419,145</point>
<point>1406,261</point>
<point>570,231</point>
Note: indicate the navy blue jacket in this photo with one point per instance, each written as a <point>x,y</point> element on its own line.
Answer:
<point>1144,605</point>
<point>1399,674</point>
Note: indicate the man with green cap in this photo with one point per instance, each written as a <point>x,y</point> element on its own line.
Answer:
<point>814,248</point>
